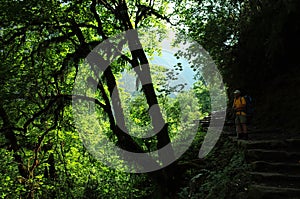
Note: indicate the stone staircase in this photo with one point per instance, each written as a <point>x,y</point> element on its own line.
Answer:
<point>275,162</point>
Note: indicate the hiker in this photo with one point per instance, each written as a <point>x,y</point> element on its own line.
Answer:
<point>239,106</point>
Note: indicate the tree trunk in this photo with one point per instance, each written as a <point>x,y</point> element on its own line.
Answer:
<point>141,66</point>
<point>12,142</point>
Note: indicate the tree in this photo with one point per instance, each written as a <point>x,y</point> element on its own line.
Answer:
<point>252,43</point>
<point>215,26</point>
<point>42,46</point>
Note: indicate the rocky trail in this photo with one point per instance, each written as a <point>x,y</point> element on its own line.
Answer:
<point>275,164</point>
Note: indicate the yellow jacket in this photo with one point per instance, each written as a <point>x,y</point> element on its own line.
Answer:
<point>239,105</point>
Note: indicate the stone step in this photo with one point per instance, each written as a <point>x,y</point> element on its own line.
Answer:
<point>276,179</point>
<point>272,156</point>
<point>268,192</point>
<point>280,167</point>
<point>287,145</point>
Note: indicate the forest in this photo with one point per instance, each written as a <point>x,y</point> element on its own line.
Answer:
<point>133,99</point>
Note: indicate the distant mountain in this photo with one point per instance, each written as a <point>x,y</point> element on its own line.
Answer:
<point>167,60</point>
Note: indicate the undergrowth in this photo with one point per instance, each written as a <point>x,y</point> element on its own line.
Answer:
<point>225,175</point>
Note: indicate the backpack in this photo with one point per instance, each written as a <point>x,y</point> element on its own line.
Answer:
<point>249,105</point>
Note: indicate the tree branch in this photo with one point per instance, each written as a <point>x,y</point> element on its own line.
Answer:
<point>146,11</point>
<point>100,25</point>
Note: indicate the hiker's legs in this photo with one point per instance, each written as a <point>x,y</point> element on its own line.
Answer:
<point>243,120</point>
<point>238,129</point>
<point>238,126</point>
<point>241,126</point>
<point>244,131</point>
<point>244,128</point>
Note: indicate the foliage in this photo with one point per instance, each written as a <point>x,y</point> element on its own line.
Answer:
<point>43,45</point>
<point>244,46</point>
<point>225,175</point>
<point>202,94</point>
<point>213,24</point>
<point>172,94</point>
